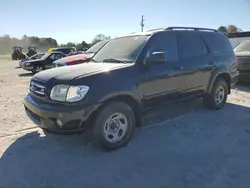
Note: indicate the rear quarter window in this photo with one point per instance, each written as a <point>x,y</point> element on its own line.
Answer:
<point>217,42</point>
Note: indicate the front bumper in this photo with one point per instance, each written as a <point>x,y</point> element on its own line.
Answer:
<point>28,68</point>
<point>58,117</point>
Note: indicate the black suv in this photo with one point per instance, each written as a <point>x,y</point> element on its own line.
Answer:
<point>131,76</point>
<point>65,50</point>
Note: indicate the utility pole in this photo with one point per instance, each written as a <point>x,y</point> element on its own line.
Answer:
<point>142,23</point>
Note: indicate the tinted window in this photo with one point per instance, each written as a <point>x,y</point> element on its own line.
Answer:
<point>65,51</point>
<point>125,49</point>
<point>55,56</point>
<point>164,42</point>
<point>217,42</point>
<point>191,45</point>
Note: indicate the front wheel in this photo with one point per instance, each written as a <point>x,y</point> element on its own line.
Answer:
<point>114,126</point>
<point>218,97</point>
<point>38,68</point>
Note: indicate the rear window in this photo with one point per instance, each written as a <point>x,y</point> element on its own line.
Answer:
<point>217,42</point>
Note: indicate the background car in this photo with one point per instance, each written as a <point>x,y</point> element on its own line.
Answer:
<point>242,52</point>
<point>82,57</point>
<point>36,56</point>
<point>65,50</point>
<point>45,62</point>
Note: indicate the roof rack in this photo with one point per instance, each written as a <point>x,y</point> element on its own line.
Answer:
<point>191,28</point>
<point>156,29</point>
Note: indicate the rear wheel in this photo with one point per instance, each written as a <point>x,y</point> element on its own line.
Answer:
<point>218,97</point>
<point>38,68</point>
<point>114,126</point>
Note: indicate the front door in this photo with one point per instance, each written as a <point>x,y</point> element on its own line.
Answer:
<point>162,83</point>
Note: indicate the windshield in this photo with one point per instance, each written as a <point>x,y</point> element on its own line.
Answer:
<point>45,56</point>
<point>243,46</point>
<point>124,49</point>
<point>36,56</point>
<point>96,47</point>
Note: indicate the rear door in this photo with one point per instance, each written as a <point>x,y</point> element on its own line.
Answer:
<point>197,60</point>
<point>162,83</point>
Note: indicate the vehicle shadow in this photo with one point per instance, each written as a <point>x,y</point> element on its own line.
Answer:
<point>26,74</point>
<point>242,86</point>
<point>201,149</point>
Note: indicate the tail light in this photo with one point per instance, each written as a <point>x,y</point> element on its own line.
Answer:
<point>70,63</point>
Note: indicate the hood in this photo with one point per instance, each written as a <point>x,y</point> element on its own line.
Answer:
<point>25,60</point>
<point>239,54</point>
<point>70,72</point>
<point>33,60</point>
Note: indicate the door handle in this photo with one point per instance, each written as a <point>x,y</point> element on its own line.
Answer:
<point>178,68</point>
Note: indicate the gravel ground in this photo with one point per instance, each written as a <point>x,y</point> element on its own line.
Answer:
<point>194,148</point>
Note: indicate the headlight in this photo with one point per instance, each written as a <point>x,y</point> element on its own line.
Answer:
<point>27,64</point>
<point>68,93</point>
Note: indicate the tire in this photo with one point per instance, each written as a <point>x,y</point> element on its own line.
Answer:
<point>218,97</point>
<point>102,137</point>
<point>38,68</point>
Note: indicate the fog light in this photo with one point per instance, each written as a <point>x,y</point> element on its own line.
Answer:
<point>59,123</point>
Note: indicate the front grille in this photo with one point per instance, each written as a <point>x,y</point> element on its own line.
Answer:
<point>37,88</point>
<point>60,65</point>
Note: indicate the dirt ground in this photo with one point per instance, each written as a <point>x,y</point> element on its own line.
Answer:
<point>194,148</point>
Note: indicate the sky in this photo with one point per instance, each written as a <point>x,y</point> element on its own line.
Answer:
<point>78,20</point>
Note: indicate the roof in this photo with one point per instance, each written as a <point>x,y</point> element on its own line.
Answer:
<point>152,31</point>
<point>63,48</point>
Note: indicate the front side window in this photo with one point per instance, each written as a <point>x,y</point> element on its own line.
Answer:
<point>55,56</point>
<point>125,49</point>
<point>164,42</point>
<point>243,46</point>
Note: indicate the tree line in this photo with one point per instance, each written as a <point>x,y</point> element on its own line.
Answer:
<point>43,44</point>
<point>230,29</point>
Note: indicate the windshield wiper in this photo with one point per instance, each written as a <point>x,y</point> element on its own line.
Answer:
<point>113,60</point>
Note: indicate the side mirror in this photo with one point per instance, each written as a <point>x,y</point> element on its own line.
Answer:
<point>156,58</point>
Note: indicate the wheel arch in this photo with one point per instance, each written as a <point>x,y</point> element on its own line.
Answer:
<point>220,75</point>
<point>128,99</point>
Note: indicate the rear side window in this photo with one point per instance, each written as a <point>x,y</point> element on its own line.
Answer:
<point>217,42</point>
<point>164,42</point>
<point>191,45</point>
